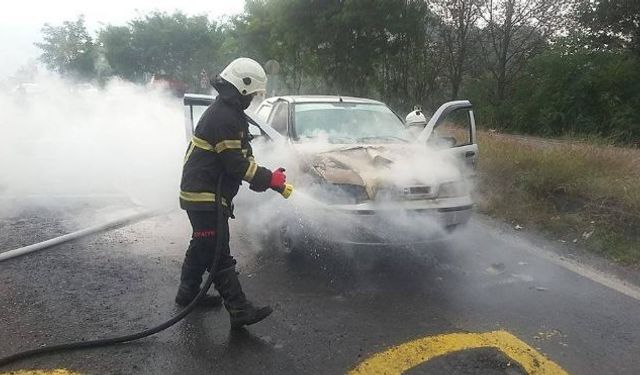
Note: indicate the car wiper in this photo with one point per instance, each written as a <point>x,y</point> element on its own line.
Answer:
<point>363,139</point>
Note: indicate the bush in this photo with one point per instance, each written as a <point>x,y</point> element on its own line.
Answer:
<point>580,95</point>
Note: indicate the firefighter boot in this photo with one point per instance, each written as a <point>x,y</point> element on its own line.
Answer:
<point>190,280</point>
<point>241,311</point>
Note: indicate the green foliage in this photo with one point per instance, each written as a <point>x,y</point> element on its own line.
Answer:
<point>68,49</point>
<point>594,93</point>
<point>383,48</point>
<point>116,41</point>
<point>175,45</point>
<point>612,24</point>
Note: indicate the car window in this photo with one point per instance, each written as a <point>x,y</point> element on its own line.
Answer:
<point>349,123</point>
<point>454,130</point>
<point>279,118</point>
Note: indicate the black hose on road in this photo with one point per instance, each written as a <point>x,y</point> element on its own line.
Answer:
<point>147,332</point>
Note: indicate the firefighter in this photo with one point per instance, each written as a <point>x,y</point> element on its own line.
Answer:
<point>416,121</point>
<point>220,145</point>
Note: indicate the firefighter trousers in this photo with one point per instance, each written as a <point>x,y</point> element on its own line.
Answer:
<point>202,247</point>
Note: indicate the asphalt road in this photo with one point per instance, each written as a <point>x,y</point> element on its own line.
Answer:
<point>508,301</point>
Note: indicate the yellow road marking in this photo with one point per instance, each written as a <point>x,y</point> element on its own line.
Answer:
<point>401,358</point>
<point>59,371</point>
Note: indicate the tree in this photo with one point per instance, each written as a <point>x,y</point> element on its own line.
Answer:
<point>612,23</point>
<point>515,31</point>
<point>280,30</point>
<point>68,49</point>
<point>458,35</point>
<point>412,58</point>
<point>580,93</point>
<point>177,45</point>
<point>382,48</point>
<point>116,42</point>
<point>173,45</point>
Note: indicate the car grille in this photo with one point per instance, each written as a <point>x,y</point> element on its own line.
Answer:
<point>417,190</point>
<point>405,193</point>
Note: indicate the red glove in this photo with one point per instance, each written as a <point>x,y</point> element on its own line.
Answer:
<point>278,178</point>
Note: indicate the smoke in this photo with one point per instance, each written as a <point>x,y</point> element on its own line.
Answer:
<point>311,211</point>
<point>62,139</point>
<point>58,138</point>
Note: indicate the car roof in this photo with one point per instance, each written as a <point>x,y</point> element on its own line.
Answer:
<point>322,99</point>
<point>198,99</point>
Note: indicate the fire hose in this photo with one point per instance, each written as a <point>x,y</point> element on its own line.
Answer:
<point>75,235</point>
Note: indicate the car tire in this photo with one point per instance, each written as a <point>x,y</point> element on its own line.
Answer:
<point>289,238</point>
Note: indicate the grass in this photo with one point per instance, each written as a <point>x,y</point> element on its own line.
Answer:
<point>575,192</point>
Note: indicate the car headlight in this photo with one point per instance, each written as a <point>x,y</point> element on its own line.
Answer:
<point>350,194</point>
<point>452,189</point>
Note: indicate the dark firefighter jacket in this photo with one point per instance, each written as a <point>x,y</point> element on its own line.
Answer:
<point>220,145</point>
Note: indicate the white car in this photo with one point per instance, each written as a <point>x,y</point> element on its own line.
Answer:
<point>372,182</point>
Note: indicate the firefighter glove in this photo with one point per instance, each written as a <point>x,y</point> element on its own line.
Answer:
<point>278,178</point>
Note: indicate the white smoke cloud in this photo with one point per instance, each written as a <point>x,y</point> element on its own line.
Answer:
<point>307,210</point>
<point>64,139</point>
<point>59,138</point>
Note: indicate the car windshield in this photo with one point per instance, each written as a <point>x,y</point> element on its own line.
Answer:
<point>348,123</point>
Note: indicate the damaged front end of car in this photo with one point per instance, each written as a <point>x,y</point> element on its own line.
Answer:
<point>372,197</point>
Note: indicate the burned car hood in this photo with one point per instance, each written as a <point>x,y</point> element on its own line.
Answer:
<point>376,167</point>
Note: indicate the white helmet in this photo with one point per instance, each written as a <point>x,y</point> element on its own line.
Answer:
<point>416,118</point>
<point>246,75</point>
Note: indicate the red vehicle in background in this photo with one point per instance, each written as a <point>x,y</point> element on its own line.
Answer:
<point>177,87</point>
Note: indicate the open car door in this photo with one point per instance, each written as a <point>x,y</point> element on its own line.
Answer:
<point>196,104</point>
<point>453,128</point>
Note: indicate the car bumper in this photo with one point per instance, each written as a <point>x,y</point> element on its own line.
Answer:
<point>392,223</point>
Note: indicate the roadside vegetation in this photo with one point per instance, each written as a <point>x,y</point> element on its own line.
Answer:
<point>575,192</point>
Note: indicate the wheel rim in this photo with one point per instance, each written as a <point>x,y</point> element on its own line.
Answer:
<point>285,239</point>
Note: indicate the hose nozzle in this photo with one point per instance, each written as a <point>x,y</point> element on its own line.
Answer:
<point>286,190</point>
